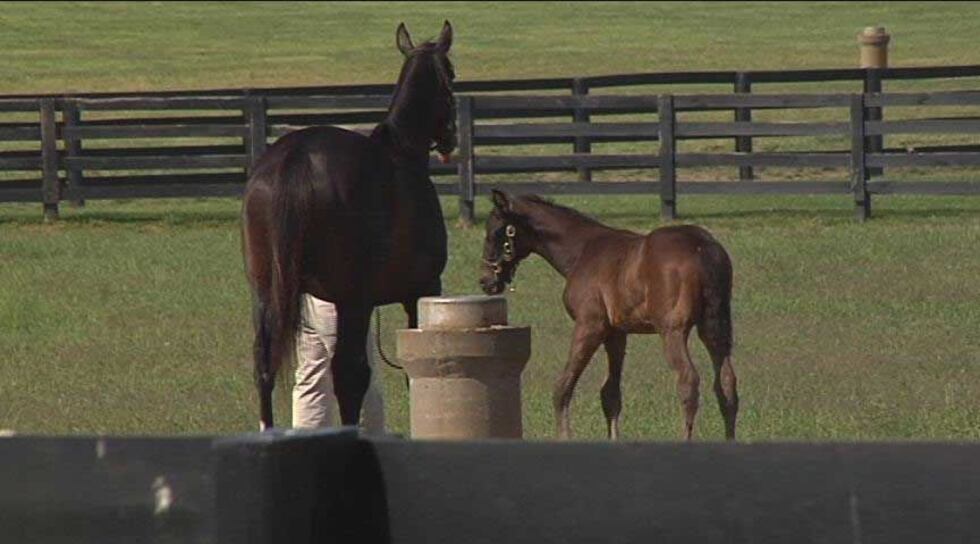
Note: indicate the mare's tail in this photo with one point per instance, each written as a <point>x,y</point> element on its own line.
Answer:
<point>276,311</point>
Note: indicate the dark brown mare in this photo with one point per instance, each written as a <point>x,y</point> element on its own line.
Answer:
<point>619,282</point>
<point>351,219</point>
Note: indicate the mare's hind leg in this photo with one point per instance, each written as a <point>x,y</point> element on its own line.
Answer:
<point>411,308</point>
<point>585,340</point>
<point>351,373</point>
<point>265,379</point>
<point>612,391</point>
<point>726,384</point>
<point>675,347</point>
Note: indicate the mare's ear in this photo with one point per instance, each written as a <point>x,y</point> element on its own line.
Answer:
<point>501,200</point>
<point>445,38</point>
<point>403,40</point>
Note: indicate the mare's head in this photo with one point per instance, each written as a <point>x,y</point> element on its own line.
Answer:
<point>423,104</point>
<point>506,244</point>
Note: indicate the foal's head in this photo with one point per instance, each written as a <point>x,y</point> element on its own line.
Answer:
<point>423,100</point>
<point>505,245</point>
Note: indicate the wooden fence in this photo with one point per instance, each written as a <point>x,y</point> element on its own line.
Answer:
<point>200,143</point>
<point>668,129</point>
<point>330,485</point>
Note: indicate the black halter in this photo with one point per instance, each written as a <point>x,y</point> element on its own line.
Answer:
<point>507,255</point>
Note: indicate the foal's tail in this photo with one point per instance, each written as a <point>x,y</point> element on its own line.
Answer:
<point>715,326</point>
<point>277,313</point>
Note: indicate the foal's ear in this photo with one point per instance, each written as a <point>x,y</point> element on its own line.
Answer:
<point>500,200</point>
<point>445,38</point>
<point>403,40</point>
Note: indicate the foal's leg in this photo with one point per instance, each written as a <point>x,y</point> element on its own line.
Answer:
<point>351,374</point>
<point>612,392</point>
<point>726,384</point>
<point>585,340</point>
<point>727,392</point>
<point>675,347</point>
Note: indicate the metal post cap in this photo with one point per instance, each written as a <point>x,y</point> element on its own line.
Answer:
<point>874,35</point>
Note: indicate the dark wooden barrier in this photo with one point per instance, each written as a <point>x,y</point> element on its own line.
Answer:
<point>411,492</point>
<point>860,159</point>
<point>331,486</point>
<point>307,486</point>
<point>201,143</point>
<point>648,492</point>
<point>106,490</point>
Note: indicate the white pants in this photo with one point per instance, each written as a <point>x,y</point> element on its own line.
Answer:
<point>314,403</point>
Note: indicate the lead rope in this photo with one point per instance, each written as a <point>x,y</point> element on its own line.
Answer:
<point>377,338</point>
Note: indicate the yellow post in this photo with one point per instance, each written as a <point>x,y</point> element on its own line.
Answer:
<point>873,42</point>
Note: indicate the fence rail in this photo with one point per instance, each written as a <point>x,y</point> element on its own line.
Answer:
<point>201,143</point>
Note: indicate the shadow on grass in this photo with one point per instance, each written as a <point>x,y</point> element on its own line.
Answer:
<point>175,218</point>
<point>835,215</point>
<point>825,215</point>
<point>232,217</point>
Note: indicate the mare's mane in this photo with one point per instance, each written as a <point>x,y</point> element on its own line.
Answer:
<point>386,128</point>
<point>424,46</point>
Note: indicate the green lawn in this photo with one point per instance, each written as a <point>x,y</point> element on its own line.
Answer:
<point>91,46</point>
<point>132,316</point>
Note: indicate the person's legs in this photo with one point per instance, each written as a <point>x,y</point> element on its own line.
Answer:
<point>313,396</point>
<point>313,399</point>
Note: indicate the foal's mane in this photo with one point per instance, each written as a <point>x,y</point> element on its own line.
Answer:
<point>552,205</point>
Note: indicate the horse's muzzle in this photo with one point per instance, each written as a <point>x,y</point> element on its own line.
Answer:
<point>447,142</point>
<point>491,285</point>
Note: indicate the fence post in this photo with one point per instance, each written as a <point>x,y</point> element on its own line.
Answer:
<point>872,84</point>
<point>859,171</point>
<point>580,88</point>
<point>873,43</point>
<point>50,191</point>
<point>467,182</point>
<point>668,152</point>
<point>71,117</point>
<point>743,144</point>
<point>258,130</point>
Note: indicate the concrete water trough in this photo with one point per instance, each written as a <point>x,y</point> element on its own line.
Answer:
<point>464,364</point>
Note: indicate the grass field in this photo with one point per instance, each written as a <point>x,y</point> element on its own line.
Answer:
<point>132,317</point>
<point>92,46</point>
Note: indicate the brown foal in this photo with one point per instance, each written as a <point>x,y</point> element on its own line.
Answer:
<point>620,282</point>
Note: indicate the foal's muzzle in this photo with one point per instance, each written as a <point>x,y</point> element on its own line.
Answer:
<point>491,285</point>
